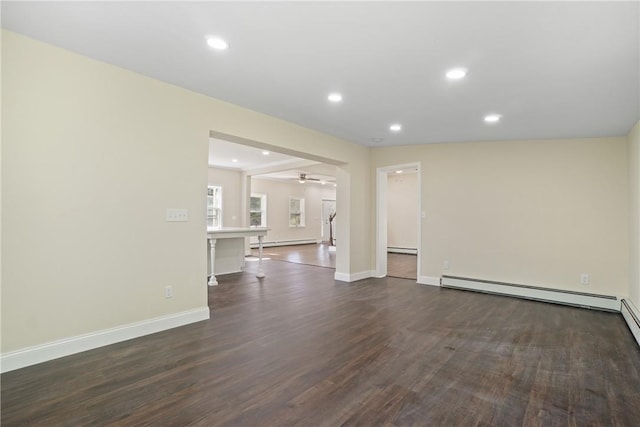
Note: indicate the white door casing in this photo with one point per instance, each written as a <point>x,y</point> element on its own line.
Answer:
<point>382,174</point>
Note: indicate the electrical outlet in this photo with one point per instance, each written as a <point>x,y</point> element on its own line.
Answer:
<point>168,291</point>
<point>445,265</point>
<point>584,279</point>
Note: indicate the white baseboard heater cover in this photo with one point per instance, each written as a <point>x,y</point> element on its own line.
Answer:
<point>284,243</point>
<point>536,293</point>
<point>632,317</point>
<point>398,250</point>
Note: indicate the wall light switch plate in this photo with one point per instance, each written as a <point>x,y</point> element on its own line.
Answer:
<point>177,215</point>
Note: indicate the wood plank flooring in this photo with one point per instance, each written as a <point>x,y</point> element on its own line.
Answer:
<point>398,265</point>
<point>300,349</point>
<point>402,265</point>
<point>311,254</point>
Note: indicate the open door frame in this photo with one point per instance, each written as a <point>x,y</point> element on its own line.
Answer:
<point>382,175</point>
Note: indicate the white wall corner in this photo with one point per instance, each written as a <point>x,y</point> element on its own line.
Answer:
<point>429,280</point>
<point>65,347</point>
<point>631,315</point>
<point>346,277</point>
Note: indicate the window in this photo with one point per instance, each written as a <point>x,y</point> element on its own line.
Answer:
<point>214,206</point>
<point>296,212</point>
<point>258,210</point>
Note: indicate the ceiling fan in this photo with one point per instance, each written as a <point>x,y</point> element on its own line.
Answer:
<point>302,178</point>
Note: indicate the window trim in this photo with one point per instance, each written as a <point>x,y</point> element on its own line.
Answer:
<point>301,213</point>
<point>219,208</point>
<point>263,210</point>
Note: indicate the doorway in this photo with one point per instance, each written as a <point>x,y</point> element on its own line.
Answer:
<point>313,168</point>
<point>398,243</point>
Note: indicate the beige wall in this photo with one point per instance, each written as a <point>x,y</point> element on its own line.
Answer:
<point>278,194</point>
<point>530,212</point>
<point>402,210</point>
<point>277,204</point>
<point>93,155</point>
<point>634,214</point>
<point>231,183</point>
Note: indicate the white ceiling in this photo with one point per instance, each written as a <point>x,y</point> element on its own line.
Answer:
<point>273,166</point>
<point>552,69</point>
<point>223,153</point>
<point>294,176</point>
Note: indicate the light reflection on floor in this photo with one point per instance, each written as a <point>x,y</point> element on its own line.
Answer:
<point>398,265</point>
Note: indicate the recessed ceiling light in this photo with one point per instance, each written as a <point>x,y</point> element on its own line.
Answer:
<point>234,160</point>
<point>492,118</point>
<point>399,171</point>
<point>265,153</point>
<point>396,127</point>
<point>456,73</point>
<point>217,43</point>
<point>323,182</point>
<point>334,97</point>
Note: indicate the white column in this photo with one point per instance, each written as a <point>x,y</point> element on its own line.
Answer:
<point>260,272</point>
<point>212,262</point>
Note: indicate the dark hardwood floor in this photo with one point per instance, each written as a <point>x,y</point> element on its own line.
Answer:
<point>402,265</point>
<point>311,254</point>
<point>298,348</point>
<point>398,265</point>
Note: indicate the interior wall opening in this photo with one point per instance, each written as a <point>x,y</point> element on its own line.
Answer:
<point>293,194</point>
<point>398,227</point>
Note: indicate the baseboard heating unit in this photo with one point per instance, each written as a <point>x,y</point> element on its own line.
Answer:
<point>632,317</point>
<point>398,250</point>
<point>271,244</point>
<point>557,296</point>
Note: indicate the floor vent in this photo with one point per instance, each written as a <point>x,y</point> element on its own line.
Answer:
<point>537,293</point>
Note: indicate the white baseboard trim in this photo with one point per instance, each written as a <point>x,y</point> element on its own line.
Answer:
<point>429,280</point>
<point>631,315</point>
<point>409,251</point>
<point>344,277</point>
<point>558,296</point>
<point>285,243</point>
<point>65,347</point>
